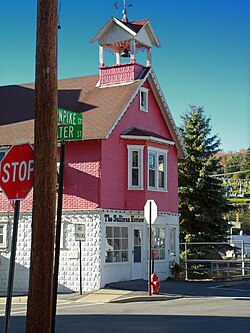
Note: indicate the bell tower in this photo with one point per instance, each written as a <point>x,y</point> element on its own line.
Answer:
<point>124,39</point>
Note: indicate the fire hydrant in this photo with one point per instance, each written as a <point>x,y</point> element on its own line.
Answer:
<point>155,284</point>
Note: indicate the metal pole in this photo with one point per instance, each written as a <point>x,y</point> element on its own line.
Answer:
<point>58,235</point>
<point>186,263</point>
<point>242,258</point>
<point>80,266</point>
<point>150,249</point>
<point>11,266</point>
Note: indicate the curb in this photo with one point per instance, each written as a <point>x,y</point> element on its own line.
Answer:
<point>153,298</point>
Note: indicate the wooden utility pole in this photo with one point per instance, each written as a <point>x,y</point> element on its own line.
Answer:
<point>45,150</point>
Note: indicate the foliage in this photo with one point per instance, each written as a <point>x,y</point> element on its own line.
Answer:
<point>176,268</point>
<point>201,199</point>
<point>233,163</point>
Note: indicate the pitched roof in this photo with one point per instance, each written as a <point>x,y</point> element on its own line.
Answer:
<point>141,134</point>
<point>102,108</point>
<point>132,28</point>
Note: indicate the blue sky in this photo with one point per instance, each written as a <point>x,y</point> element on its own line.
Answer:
<point>204,56</point>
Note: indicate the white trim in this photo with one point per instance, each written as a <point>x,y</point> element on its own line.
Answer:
<point>140,149</point>
<point>144,91</point>
<point>171,125</point>
<point>155,40</point>
<point>147,138</point>
<point>103,30</point>
<point>4,244</point>
<point>175,131</point>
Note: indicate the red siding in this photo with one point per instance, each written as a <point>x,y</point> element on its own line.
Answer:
<point>115,194</point>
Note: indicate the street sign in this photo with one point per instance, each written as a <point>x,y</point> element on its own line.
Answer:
<point>17,171</point>
<point>150,208</point>
<point>80,232</point>
<point>69,125</point>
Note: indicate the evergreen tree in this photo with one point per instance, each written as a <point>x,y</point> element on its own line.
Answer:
<point>201,200</point>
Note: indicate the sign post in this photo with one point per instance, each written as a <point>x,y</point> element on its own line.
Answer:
<point>150,215</point>
<point>80,236</point>
<point>69,129</point>
<point>16,179</point>
<point>58,235</point>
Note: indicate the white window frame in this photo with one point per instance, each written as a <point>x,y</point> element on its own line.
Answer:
<point>158,152</point>
<point>120,250</point>
<point>3,245</point>
<point>159,251</point>
<point>144,99</point>
<point>139,149</point>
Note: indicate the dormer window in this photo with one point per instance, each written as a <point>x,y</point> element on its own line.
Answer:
<point>144,99</point>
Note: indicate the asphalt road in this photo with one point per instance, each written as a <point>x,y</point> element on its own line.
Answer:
<point>203,308</point>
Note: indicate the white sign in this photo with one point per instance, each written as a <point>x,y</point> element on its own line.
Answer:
<point>150,208</point>
<point>79,232</point>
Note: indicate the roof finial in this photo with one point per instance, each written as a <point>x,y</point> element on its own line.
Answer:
<point>124,11</point>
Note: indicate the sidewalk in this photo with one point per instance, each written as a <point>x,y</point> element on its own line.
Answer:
<point>127,291</point>
<point>137,290</point>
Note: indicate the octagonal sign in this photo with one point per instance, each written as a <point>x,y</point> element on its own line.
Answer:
<point>17,171</point>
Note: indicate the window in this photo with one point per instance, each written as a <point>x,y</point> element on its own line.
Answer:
<point>116,245</point>
<point>135,167</point>
<point>3,235</point>
<point>158,243</point>
<point>144,99</point>
<point>157,179</point>
<point>172,241</point>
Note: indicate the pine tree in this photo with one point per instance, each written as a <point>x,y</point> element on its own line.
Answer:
<point>201,200</point>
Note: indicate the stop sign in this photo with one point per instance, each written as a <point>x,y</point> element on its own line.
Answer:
<point>17,170</point>
<point>150,211</point>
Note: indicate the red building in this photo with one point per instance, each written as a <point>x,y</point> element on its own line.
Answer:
<point>128,154</point>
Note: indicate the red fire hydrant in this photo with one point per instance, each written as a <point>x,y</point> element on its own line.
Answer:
<point>155,284</point>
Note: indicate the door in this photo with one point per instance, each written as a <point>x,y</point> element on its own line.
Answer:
<point>136,252</point>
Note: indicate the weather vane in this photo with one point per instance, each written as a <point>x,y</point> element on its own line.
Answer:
<point>124,11</point>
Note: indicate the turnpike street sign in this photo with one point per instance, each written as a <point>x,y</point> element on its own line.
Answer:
<point>17,171</point>
<point>69,125</point>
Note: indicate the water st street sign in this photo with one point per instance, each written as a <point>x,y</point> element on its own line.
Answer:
<point>69,125</point>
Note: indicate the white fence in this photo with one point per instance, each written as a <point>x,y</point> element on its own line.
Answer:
<point>215,260</point>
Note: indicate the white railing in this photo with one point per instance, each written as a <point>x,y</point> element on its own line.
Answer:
<point>234,262</point>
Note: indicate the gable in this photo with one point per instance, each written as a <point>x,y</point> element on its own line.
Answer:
<point>102,108</point>
<point>115,34</point>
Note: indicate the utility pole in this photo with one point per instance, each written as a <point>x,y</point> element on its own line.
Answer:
<point>45,152</point>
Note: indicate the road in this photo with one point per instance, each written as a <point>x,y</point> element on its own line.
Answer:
<point>187,313</point>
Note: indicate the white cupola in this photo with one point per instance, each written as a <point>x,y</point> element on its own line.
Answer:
<point>124,39</point>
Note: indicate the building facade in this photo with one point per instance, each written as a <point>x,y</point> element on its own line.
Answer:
<point>128,155</point>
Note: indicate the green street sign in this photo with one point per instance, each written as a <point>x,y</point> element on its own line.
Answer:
<point>69,125</point>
